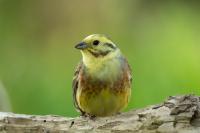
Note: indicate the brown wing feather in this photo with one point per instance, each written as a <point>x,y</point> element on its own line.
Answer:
<point>75,83</point>
<point>128,68</point>
<point>129,72</point>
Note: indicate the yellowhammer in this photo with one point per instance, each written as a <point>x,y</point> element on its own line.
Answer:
<point>102,80</point>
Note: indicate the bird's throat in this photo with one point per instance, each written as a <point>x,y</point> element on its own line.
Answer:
<point>107,70</point>
<point>92,61</point>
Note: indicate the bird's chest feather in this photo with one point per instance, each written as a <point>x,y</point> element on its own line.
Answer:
<point>104,91</point>
<point>101,77</point>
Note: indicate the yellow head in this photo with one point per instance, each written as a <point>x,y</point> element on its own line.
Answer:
<point>96,49</point>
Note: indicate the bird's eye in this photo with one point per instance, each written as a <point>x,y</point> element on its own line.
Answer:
<point>96,42</point>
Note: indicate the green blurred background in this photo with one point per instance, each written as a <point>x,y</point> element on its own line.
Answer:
<point>161,40</point>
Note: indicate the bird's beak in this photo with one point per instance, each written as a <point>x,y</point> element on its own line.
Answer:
<point>81,46</point>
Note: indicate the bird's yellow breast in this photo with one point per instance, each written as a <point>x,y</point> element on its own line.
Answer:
<point>103,103</point>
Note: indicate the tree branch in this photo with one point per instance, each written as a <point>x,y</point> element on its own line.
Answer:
<point>176,114</point>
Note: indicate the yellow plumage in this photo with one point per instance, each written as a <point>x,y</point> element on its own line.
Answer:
<point>106,102</point>
<point>102,82</point>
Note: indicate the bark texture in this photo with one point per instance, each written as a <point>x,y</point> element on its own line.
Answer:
<point>178,114</point>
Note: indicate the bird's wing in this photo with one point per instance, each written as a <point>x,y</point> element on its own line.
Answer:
<point>129,72</point>
<point>128,68</point>
<point>75,83</point>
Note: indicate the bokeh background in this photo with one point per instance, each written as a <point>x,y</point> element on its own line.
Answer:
<point>161,40</point>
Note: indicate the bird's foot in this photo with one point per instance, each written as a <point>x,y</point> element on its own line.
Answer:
<point>85,115</point>
<point>92,117</point>
<point>118,113</point>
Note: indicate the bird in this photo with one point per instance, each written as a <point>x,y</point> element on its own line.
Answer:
<point>102,80</point>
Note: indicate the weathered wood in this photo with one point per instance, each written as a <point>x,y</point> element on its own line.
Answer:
<point>177,114</point>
